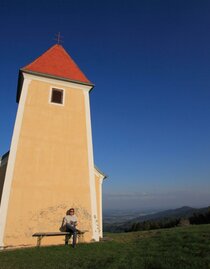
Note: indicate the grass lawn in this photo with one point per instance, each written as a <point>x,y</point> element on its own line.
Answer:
<point>177,248</point>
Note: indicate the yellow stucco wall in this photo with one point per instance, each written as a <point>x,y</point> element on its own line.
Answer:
<point>51,168</point>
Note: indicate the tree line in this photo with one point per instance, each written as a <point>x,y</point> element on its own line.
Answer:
<point>196,218</point>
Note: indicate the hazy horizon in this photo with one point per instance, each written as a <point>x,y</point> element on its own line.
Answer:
<point>154,201</point>
<point>145,211</point>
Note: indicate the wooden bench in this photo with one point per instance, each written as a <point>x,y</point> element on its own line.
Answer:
<point>80,235</point>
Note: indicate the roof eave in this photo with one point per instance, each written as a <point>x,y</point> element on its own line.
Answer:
<point>20,80</point>
<point>56,77</point>
<point>100,172</point>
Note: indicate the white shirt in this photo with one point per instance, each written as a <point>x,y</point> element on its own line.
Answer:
<point>71,219</point>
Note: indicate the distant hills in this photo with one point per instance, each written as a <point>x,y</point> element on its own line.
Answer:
<point>182,212</point>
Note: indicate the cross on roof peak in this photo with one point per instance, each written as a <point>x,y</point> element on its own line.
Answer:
<point>59,38</point>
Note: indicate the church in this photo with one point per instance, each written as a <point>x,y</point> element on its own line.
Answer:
<point>50,166</point>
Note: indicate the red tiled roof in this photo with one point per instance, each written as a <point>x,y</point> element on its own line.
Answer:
<point>57,62</point>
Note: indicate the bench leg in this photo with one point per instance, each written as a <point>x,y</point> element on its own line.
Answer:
<point>39,239</point>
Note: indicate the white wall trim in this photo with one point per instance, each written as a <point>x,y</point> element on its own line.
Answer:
<point>58,83</point>
<point>98,174</point>
<point>11,161</point>
<point>101,216</point>
<point>94,214</point>
<point>101,178</point>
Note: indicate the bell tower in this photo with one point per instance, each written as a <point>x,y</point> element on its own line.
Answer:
<point>51,165</point>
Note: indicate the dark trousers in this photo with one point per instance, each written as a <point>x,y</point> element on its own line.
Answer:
<point>73,230</point>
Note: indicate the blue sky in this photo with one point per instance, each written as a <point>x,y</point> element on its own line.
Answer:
<point>150,62</point>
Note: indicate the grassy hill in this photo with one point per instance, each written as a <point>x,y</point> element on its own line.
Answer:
<point>177,248</point>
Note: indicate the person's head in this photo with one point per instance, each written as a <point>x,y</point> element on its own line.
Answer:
<point>71,211</point>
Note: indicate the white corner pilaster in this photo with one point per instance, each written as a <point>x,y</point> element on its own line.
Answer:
<point>91,169</point>
<point>101,212</point>
<point>11,161</point>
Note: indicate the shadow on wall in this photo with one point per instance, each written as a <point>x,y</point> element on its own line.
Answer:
<point>3,168</point>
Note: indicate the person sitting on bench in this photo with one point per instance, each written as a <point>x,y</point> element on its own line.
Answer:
<point>70,220</point>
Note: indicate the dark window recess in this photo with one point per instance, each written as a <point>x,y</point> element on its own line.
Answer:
<point>57,96</point>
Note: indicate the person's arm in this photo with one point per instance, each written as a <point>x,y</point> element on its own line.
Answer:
<point>74,223</point>
<point>64,221</point>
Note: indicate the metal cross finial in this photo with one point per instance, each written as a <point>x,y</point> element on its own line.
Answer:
<point>58,38</point>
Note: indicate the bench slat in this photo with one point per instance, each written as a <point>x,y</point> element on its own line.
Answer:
<point>51,234</point>
<point>58,233</point>
<point>39,236</point>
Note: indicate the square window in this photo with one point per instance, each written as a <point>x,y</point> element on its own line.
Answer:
<point>57,96</point>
